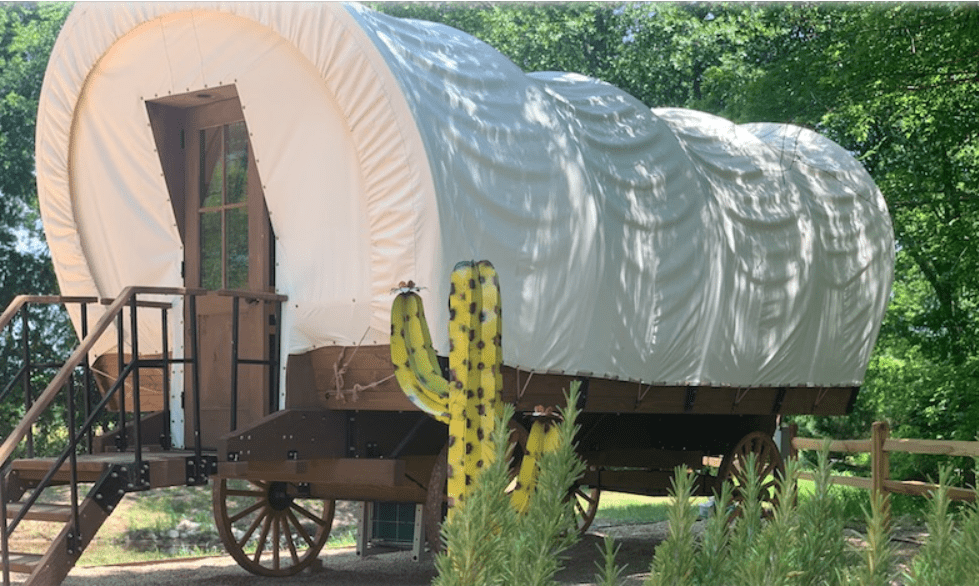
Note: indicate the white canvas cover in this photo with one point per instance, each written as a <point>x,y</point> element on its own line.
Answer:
<point>663,245</point>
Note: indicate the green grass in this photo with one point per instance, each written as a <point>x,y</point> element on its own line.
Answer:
<point>617,506</point>
<point>342,537</point>
<point>161,510</point>
<point>164,508</point>
<point>855,502</point>
<point>108,554</point>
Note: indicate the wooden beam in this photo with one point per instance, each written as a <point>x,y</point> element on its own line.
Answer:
<point>846,446</point>
<point>915,488</point>
<point>933,447</point>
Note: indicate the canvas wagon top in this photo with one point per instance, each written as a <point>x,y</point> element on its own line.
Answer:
<point>663,246</point>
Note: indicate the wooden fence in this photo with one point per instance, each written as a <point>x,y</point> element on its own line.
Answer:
<point>880,446</point>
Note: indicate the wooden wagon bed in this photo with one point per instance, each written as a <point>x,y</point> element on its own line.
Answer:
<point>366,383</point>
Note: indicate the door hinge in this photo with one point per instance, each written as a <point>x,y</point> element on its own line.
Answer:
<point>183,269</point>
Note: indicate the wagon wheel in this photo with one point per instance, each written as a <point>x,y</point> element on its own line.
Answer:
<point>585,505</point>
<point>436,501</point>
<point>586,498</point>
<point>270,528</point>
<point>436,504</point>
<point>769,468</point>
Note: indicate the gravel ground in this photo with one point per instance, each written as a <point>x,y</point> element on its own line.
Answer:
<point>342,567</point>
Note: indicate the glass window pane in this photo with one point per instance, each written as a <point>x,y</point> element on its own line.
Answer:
<point>237,259</point>
<point>236,161</point>
<point>212,170</point>
<point>211,250</point>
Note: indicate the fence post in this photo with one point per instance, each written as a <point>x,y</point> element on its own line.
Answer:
<point>880,463</point>
<point>793,433</point>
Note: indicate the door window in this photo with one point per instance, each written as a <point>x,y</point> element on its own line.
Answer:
<point>223,206</point>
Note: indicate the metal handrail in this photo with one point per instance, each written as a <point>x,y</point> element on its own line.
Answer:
<point>47,397</point>
<point>21,300</point>
<point>272,361</point>
<point>63,379</point>
<point>19,305</point>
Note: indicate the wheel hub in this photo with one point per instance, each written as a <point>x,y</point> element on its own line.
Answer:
<point>279,498</point>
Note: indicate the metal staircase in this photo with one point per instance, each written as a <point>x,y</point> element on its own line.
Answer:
<point>102,452</point>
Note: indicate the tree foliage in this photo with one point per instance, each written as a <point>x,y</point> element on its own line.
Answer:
<point>897,84</point>
<point>894,83</point>
<point>27,34</point>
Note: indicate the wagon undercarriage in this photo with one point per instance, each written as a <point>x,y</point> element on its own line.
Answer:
<point>275,478</point>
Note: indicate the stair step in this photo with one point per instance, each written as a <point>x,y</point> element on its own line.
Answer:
<point>24,563</point>
<point>41,512</point>
<point>168,468</point>
<point>36,468</point>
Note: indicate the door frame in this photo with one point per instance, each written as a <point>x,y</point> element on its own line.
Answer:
<point>176,122</point>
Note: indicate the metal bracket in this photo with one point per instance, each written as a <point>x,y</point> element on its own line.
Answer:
<point>74,542</point>
<point>139,479</point>
<point>779,398</point>
<point>820,395</point>
<point>853,399</point>
<point>351,435</point>
<point>739,396</point>
<point>582,392</point>
<point>690,398</point>
<point>122,440</point>
<point>642,393</point>
<point>198,472</point>
<point>110,489</point>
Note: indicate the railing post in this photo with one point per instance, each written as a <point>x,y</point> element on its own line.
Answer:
<point>122,442</point>
<point>787,441</point>
<point>235,309</point>
<point>87,369</point>
<point>137,425</point>
<point>880,462</point>
<point>275,341</point>
<point>4,534</point>
<point>165,439</point>
<point>28,399</point>
<point>74,539</point>
<point>196,390</point>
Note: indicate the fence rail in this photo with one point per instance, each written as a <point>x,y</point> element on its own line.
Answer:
<point>880,446</point>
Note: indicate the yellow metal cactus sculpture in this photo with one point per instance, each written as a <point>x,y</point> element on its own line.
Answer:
<point>544,437</point>
<point>467,401</point>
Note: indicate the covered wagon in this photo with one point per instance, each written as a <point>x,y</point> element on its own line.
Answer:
<point>242,185</point>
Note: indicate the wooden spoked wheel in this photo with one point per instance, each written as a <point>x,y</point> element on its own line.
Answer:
<point>436,503</point>
<point>768,468</point>
<point>270,528</point>
<point>585,498</point>
<point>585,505</point>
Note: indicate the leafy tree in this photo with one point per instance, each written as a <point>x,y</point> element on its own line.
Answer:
<point>897,85</point>
<point>893,83</point>
<point>663,54</point>
<point>27,34</point>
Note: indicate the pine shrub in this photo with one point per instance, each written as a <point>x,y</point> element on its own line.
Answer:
<point>486,542</point>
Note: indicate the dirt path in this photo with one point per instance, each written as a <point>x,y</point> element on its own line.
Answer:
<point>342,567</point>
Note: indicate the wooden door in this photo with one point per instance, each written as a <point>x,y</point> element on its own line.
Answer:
<point>227,246</point>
